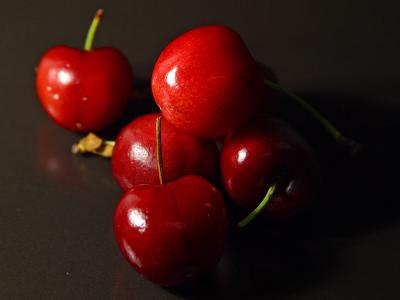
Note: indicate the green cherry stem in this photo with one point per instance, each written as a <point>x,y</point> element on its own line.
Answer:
<point>160,167</point>
<point>93,29</point>
<point>350,144</point>
<point>259,208</point>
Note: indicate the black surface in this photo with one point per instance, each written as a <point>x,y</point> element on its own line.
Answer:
<point>56,239</point>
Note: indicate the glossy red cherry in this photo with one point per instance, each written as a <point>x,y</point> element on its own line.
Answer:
<point>264,152</point>
<point>134,159</point>
<point>84,90</point>
<point>172,233</point>
<point>206,82</point>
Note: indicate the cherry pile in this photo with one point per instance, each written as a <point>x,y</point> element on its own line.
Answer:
<point>171,224</point>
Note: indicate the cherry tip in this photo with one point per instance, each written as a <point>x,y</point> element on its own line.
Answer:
<point>99,13</point>
<point>351,146</point>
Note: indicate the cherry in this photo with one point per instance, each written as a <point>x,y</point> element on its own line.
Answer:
<point>206,82</point>
<point>267,155</point>
<point>171,233</point>
<point>84,90</point>
<point>134,159</point>
<point>174,232</point>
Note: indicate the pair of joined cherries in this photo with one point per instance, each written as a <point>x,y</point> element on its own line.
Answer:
<point>171,224</point>
<point>174,232</point>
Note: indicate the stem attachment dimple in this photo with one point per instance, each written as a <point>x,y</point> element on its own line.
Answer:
<point>93,29</point>
<point>259,208</point>
<point>352,146</point>
<point>160,167</point>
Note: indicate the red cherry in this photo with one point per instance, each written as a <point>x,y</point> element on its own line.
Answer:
<point>206,82</point>
<point>172,233</point>
<point>264,152</point>
<point>134,159</point>
<point>84,90</point>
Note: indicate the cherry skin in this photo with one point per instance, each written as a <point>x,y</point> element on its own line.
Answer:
<point>84,90</point>
<point>264,152</point>
<point>172,233</point>
<point>206,82</point>
<point>134,159</point>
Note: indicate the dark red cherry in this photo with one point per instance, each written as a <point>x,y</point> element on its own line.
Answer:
<point>84,90</point>
<point>172,233</point>
<point>264,152</point>
<point>134,159</point>
<point>206,82</point>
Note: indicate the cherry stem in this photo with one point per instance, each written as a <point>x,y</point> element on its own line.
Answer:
<point>95,145</point>
<point>93,29</point>
<point>352,146</point>
<point>259,208</point>
<point>160,167</point>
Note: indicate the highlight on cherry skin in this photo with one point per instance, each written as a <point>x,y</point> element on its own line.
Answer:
<point>264,152</point>
<point>134,159</point>
<point>84,90</point>
<point>206,82</point>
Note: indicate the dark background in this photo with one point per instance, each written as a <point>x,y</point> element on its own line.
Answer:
<point>56,239</point>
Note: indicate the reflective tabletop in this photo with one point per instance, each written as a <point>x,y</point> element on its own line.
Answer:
<point>56,209</point>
